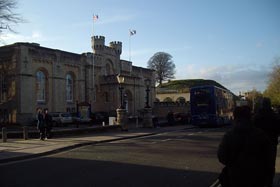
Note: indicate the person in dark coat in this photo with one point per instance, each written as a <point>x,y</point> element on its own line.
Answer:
<point>40,124</point>
<point>170,118</point>
<point>48,123</point>
<point>267,120</point>
<point>246,152</point>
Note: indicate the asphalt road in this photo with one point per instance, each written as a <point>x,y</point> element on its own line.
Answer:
<point>182,158</point>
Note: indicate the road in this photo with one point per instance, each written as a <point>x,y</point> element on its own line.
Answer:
<point>181,158</point>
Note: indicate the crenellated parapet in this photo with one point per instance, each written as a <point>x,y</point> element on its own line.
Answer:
<point>117,46</point>
<point>99,47</point>
<point>97,42</point>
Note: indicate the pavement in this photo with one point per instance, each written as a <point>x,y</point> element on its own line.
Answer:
<point>16,148</point>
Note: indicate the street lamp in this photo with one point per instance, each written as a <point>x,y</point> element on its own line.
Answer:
<point>121,112</point>
<point>147,84</point>
<point>121,81</point>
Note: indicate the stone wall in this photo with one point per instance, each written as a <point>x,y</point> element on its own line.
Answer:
<point>160,109</point>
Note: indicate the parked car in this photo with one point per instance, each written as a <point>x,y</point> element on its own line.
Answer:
<point>77,119</point>
<point>61,118</point>
<point>183,118</point>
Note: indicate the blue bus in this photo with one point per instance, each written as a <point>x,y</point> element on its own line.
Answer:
<point>211,105</point>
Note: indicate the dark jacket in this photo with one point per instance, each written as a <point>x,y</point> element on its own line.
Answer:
<point>40,122</point>
<point>267,120</point>
<point>245,150</point>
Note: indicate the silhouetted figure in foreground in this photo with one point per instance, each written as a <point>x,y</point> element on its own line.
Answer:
<point>246,152</point>
<point>266,120</point>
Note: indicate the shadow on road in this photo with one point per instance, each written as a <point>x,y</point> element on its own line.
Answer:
<point>78,172</point>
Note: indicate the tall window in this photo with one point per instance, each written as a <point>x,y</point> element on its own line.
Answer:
<point>69,87</point>
<point>3,87</point>
<point>41,86</point>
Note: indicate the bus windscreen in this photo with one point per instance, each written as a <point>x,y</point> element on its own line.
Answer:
<point>202,98</point>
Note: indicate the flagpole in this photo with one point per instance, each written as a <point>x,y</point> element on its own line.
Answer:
<point>129,46</point>
<point>95,17</point>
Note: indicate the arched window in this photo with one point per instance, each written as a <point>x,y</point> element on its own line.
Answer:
<point>167,99</point>
<point>107,69</point>
<point>69,87</point>
<point>41,86</point>
<point>181,100</point>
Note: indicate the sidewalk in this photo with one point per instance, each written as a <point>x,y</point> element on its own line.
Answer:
<point>19,149</point>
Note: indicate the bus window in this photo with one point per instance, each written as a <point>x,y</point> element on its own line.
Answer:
<point>202,98</point>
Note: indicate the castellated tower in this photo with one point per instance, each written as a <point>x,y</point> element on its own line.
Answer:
<point>97,43</point>
<point>117,46</point>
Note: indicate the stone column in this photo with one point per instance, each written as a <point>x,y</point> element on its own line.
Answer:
<point>121,119</point>
<point>147,120</point>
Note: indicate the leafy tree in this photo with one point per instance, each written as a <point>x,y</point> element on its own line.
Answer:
<point>273,89</point>
<point>7,15</point>
<point>163,65</point>
<point>254,98</point>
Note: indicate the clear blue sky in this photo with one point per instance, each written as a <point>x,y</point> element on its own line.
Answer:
<point>233,42</point>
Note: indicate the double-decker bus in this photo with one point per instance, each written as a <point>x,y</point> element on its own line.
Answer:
<point>211,105</point>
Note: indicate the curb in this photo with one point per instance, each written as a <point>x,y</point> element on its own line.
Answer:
<point>70,147</point>
<point>59,132</point>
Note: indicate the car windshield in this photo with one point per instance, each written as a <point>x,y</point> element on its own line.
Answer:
<point>65,115</point>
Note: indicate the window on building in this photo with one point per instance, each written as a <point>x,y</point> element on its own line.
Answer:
<point>107,69</point>
<point>41,86</point>
<point>181,100</point>
<point>69,88</point>
<point>3,88</point>
<point>167,99</point>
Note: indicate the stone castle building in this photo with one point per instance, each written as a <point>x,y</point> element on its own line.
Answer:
<point>33,76</point>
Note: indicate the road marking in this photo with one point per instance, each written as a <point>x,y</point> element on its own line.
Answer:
<point>165,140</point>
<point>216,184</point>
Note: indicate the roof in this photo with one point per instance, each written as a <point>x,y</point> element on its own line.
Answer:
<point>185,85</point>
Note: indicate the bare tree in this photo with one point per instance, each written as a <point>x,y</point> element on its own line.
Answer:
<point>163,65</point>
<point>7,15</point>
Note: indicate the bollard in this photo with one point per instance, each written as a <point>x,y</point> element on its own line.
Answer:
<point>103,123</point>
<point>25,133</point>
<point>4,134</point>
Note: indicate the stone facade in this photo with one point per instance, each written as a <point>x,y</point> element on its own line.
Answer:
<point>33,76</point>
<point>166,95</point>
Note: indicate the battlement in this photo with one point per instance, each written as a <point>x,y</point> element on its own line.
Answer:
<point>99,37</point>
<point>117,46</point>
<point>98,44</point>
<point>114,43</point>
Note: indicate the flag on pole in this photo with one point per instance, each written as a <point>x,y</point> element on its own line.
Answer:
<point>132,32</point>
<point>95,17</point>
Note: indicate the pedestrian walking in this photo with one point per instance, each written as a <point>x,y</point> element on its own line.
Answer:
<point>267,120</point>
<point>40,124</point>
<point>48,124</point>
<point>246,153</point>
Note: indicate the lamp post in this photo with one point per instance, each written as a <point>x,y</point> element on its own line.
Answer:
<point>121,111</point>
<point>120,79</point>
<point>147,84</point>
<point>147,119</point>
